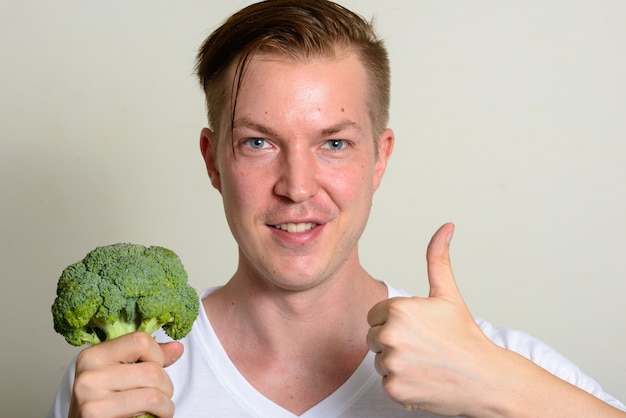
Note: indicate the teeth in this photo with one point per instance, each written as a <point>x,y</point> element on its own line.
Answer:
<point>292,227</point>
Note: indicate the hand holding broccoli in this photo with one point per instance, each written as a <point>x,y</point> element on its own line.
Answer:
<point>124,377</point>
<point>116,290</point>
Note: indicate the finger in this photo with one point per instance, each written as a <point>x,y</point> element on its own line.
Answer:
<point>172,351</point>
<point>100,383</point>
<point>379,365</point>
<point>377,315</point>
<point>440,275</point>
<point>128,404</point>
<point>373,342</point>
<point>130,348</point>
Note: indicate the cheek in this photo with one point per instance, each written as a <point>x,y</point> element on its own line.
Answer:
<point>237,185</point>
<point>352,187</point>
<point>244,191</point>
<point>238,199</point>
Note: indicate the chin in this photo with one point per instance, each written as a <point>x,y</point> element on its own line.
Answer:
<point>295,284</point>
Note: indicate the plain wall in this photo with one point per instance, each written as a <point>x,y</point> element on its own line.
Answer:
<point>510,122</point>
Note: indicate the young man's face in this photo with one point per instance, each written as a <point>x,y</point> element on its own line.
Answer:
<point>298,178</point>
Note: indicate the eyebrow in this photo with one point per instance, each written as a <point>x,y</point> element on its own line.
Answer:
<point>247,123</point>
<point>340,127</point>
<point>266,130</point>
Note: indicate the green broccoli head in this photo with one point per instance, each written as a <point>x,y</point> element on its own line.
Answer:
<point>121,288</point>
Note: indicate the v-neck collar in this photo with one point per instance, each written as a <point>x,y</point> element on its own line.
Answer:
<point>253,401</point>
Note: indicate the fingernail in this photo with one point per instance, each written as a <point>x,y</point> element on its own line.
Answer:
<point>450,235</point>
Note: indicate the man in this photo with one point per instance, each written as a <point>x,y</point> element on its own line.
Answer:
<point>298,95</point>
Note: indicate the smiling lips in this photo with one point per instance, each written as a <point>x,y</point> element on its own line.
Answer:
<point>296,227</point>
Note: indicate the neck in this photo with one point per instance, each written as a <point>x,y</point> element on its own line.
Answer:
<point>286,342</point>
<point>331,313</point>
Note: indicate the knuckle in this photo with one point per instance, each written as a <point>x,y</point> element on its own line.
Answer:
<point>155,400</point>
<point>142,340</point>
<point>151,370</point>
<point>153,396</point>
<point>392,364</point>
<point>395,389</point>
<point>158,378</point>
<point>84,359</point>
<point>387,337</point>
<point>83,383</point>
<point>401,307</point>
<point>391,387</point>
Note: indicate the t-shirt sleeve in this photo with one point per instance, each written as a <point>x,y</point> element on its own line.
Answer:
<point>546,357</point>
<point>61,402</point>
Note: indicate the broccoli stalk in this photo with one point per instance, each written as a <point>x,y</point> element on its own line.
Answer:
<point>122,288</point>
<point>110,330</point>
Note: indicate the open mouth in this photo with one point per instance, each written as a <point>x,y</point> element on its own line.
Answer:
<point>296,227</point>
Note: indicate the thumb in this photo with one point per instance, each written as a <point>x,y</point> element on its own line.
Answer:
<point>440,276</point>
<point>172,351</point>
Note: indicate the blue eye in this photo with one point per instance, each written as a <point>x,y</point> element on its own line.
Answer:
<point>335,144</point>
<point>256,143</point>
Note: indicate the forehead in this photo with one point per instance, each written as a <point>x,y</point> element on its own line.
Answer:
<point>283,85</point>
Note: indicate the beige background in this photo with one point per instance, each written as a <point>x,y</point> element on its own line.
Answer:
<point>510,121</point>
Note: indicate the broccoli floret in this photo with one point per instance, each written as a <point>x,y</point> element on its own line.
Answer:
<point>121,288</point>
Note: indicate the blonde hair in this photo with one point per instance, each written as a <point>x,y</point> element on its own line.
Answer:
<point>299,29</point>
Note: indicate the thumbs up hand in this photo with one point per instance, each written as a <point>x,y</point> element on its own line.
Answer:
<point>433,356</point>
<point>430,351</point>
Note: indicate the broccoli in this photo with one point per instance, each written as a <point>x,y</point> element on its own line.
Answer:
<point>121,288</point>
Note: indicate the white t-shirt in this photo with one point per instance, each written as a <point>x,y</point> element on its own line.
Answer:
<point>207,384</point>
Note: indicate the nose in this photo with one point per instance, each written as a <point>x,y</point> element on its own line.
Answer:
<point>297,180</point>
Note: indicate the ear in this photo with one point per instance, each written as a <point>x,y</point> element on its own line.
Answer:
<point>208,148</point>
<point>385,146</point>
